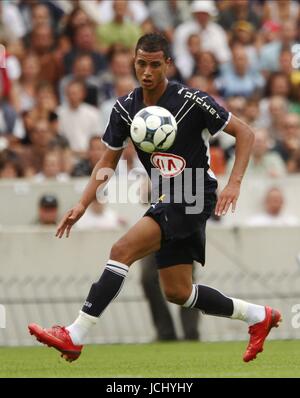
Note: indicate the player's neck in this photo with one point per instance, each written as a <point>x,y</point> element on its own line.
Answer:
<point>151,97</point>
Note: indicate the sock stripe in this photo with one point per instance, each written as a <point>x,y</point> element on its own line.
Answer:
<point>117,269</point>
<point>115,272</point>
<point>118,264</point>
<point>191,300</point>
<point>196,296</point>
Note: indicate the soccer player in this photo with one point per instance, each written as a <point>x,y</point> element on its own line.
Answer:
<point>167,228</point>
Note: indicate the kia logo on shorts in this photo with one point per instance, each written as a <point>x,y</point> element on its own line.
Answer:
<point>169,165</point>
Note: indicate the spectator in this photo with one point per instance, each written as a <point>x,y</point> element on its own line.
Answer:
<point>273,214</point>
<point>85,166</point>
<point>120,65</point>
<point>168,15</point>
<point>213,37</point>
<point>206,64</point>
<point>78,121</point>
<point>263,160</point>
<point>252,113</point>
<point>235,105</point>
<point>84,43</point>
<point>278,84</point>
<point>270,52</point>
<point>83,69</point>
<point>47,210</point>
<point>11,125</point>
<point>103,12</point>
<point>12,24</point>
<point>206,84</point>
<point>238,10</point>
<point>286,66</point>
<point>10,164</point>
<point>40,137</point>
<point>58,140</point>
<point>272,112</point>
<point>194,46</point>
<point>289,140</point>
<point>75,19</point>
<point>45,104</point>
<point>26,88</point>
<point>51,168</point>
<point>119,31</point>
<point>217,159</point>
<point>243,33</point>
<point>100,216</point>
<point>295,100</point>
<point>293,164</point>
<point>237,78</point>
<point>269,32</point>
<point>42,43</point>
<point>40,15</point>
<point>281,11</point>
<point>173,74</point>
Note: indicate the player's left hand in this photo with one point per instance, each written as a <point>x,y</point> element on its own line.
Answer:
<point>228,196</point>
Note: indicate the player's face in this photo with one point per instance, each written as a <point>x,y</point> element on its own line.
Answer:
<point>151,69</point>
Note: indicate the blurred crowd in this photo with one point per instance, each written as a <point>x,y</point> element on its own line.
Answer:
<point>64,63</point>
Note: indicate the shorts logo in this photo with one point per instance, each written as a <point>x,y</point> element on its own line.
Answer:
<point>168,164</point>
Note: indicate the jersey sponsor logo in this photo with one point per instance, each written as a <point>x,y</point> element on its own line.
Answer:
<point>168,164</point>
<point>200,101</point>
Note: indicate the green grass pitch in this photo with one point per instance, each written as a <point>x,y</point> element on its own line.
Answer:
<point>192,360</point>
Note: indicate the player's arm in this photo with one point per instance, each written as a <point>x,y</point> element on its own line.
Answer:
<point>244,140</point>
<point>99,177</point>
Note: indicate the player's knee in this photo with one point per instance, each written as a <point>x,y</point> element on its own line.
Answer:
<point>176,295</point>
<point>121,252</point>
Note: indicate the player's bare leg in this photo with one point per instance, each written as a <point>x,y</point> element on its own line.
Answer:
<point>142,239</point>
<point>177,284</point>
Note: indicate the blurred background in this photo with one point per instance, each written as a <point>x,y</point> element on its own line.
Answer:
<point>63,63</point>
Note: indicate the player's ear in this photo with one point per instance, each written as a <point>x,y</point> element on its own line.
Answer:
<point>169,61</point>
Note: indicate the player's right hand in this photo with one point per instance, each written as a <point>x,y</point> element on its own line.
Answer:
<point>69,219</point>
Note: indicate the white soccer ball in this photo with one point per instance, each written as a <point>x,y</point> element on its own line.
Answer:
<point>153,129</point>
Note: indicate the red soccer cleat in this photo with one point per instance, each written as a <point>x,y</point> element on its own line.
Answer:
<point>59,338</point>
<point>259,332</point>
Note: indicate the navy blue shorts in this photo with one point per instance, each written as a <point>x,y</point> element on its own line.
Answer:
<point>183,235</point>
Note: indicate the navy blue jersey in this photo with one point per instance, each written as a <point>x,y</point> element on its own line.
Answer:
<point>197,115</point>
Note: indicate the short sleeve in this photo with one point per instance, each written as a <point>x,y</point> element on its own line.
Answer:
<point>216,117</point>
<point>117,130</point>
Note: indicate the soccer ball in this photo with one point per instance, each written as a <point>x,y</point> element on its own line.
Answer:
<point>153,129</point>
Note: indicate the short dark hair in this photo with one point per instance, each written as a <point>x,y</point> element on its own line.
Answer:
<point>48,201</point>
<point>153,42</point>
